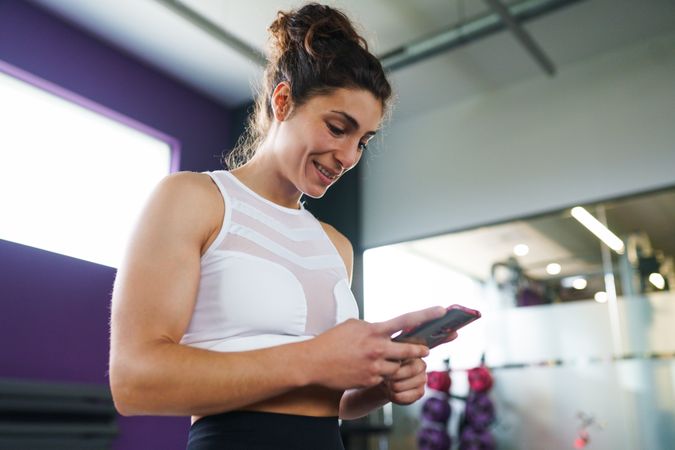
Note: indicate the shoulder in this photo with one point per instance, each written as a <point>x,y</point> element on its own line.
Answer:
<point>189,190</point>
<point>188,183</point>
<point>188,200</point>
<point>342,244</point>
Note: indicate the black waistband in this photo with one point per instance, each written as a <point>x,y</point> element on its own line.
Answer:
<point>261,431</point>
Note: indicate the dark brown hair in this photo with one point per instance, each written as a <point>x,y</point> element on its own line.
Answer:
<point>316,50</point>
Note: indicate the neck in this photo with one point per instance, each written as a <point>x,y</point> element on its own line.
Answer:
<point>263,176</point>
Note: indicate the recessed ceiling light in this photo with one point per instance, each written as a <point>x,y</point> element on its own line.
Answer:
<point>521,250</point>
<point>600,297</point>
<point>553,269</point>
<point>579,283</point>
<point>657,280</point>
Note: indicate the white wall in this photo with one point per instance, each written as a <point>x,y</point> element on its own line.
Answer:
<point>601,128</point>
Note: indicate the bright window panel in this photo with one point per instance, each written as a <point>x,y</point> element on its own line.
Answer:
<point>72,180</point>
<point>397,281</point>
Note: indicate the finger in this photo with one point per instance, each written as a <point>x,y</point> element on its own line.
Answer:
<point>409,369</point>
<point>400,351</point>
<point>410,320</point>
<point>405,371</point>
<point>409,384</point>
<point>407,397</point>
<point>388,368</point>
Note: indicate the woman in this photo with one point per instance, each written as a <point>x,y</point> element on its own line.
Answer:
<point>233,302</point>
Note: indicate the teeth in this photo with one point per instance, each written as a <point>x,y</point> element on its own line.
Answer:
<point>325,172</point>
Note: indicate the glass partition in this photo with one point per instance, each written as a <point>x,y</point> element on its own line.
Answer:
<point>578,313</point>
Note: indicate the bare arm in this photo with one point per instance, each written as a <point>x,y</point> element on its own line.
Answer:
<point>153,299</point>
<point>404,386</point>
<point>358,402</point>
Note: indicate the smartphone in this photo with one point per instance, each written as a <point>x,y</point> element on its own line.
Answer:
<point>436,331</point>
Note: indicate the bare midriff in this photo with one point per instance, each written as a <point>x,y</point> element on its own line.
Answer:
<point>315,401</point>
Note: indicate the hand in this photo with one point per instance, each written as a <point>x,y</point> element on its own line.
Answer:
<point>406,385</point>
<point>358,354</point>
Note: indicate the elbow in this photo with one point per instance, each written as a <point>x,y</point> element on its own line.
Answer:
<point>125,392</point>
<point>122,400</point>
<point>122,393</point>
<point>138,383</point>
<point>122,407</point>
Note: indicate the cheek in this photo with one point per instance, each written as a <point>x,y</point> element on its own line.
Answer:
<point>321,139</point>
<point>308,139</point>
<point>294,147</point>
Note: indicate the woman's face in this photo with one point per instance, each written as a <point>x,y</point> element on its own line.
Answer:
<point>325,137</point>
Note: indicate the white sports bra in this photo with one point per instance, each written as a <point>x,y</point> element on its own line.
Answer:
<point>272,276</point>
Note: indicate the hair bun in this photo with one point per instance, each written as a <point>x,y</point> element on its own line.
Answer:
<point>311,28</point>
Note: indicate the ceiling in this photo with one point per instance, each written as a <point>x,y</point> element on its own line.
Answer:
<point>154,33</point>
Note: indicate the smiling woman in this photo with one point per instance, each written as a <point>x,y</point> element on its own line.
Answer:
<point>314,50</point>
<point>233,304</point>
<point>314,143</point>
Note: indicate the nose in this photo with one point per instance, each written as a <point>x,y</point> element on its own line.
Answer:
<point>347,155</point>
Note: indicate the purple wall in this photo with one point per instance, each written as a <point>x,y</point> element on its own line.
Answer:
<point>54,310</point>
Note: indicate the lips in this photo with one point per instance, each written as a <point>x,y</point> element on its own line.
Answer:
<point>329,174</point>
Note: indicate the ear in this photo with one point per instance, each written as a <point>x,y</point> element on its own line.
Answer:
<point>282,101</point>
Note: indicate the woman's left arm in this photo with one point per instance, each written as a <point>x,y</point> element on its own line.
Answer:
<point>403,387</point>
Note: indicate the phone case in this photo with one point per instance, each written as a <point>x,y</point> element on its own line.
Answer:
<point>436,331</point>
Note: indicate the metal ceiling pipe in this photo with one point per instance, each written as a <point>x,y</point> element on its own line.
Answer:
<point>523,36</point>
<point>462,34</point>
<point>246,50</point>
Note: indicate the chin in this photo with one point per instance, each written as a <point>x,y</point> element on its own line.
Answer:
<point>316,194</point>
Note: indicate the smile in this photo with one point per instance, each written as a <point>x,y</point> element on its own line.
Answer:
<point>327,173</point>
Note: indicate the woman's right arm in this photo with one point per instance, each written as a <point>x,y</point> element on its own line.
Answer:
<point>153,298</point>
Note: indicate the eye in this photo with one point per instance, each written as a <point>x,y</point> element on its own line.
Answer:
<point>335,130</point>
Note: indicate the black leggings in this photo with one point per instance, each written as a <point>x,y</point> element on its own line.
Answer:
<point>248,430</point>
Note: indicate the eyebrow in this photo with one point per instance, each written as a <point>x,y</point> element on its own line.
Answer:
<point>353,122</point>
